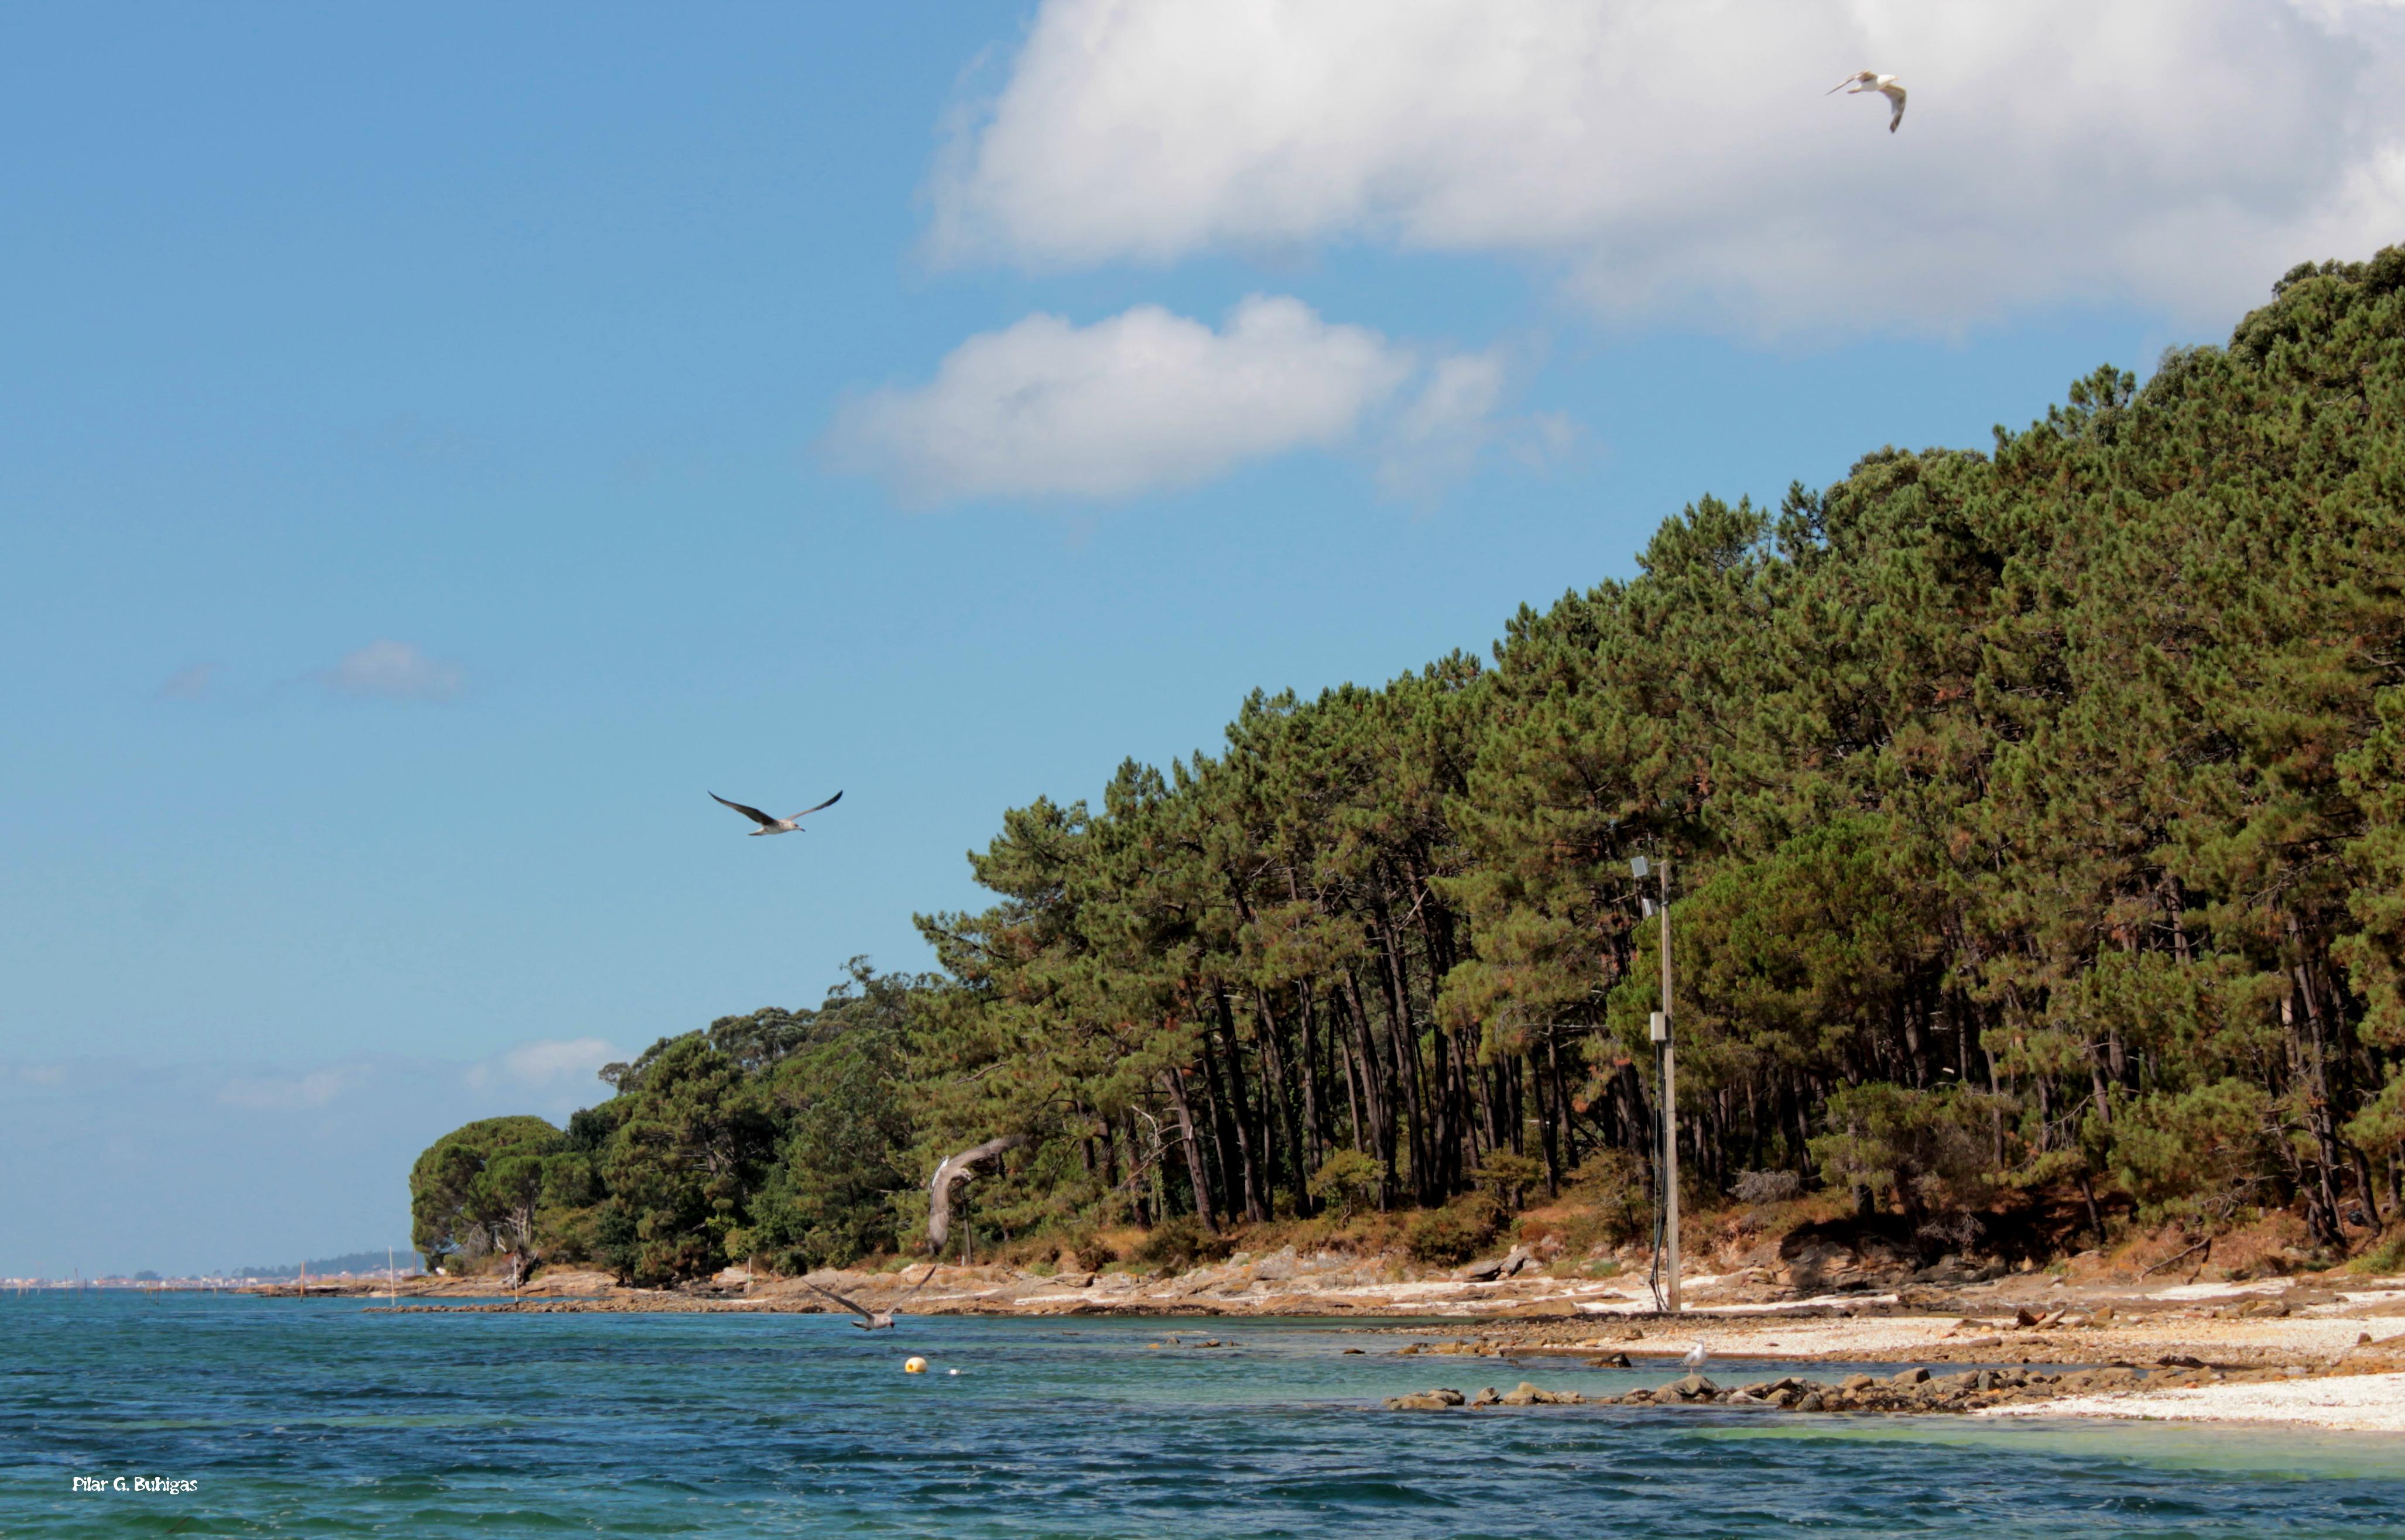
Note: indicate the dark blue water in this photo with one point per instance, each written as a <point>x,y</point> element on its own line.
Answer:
<point>317,1419</point>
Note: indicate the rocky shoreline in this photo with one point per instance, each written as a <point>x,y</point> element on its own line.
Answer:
<point>2031,1316</point>
<point>2003,1346</point>
<point>1914,1390</point>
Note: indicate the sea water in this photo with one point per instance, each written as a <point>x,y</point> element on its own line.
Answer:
<point>322,1418</point>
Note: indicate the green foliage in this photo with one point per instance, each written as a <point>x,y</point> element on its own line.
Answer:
<point>695,1142</point>
<point>784,1135</point>
<point>2387,1259</point>
<point>2172,1150</point>
<point>1609,1201</point>
<point>1454,1233</point>
<point>1346,1180</point>
<point>479,1189</point>
<point>826,1201</point>
<point>1925,1150</point>
<point>1506,1177</point>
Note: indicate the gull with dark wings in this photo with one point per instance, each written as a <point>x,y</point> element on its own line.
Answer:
<point>954,1170</point>
<point>873,1320</point>
<point>774,825</point>
<point>1873,80</point>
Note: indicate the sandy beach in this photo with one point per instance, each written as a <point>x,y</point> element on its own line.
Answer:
<point>2371,1403</point>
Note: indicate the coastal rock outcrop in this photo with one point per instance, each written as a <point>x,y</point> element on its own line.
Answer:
<point>1913,1392</point>
<point>1518,1260</point>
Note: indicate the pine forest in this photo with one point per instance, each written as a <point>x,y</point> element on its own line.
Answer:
<point>2034,846</point>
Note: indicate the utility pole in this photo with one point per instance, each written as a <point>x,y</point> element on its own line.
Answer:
<point>1669,1150</point>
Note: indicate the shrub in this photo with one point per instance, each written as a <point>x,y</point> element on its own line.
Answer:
<point>1509,1176</point>
<point>1608,1202</point>
<point>1454,1233</point>
<point>1179,1243</point>
<point>1763,1188</point>
<point>1345,1179</point>
<point>2173,1151</point>
<point>1924,1149</point>
<point>2388,1257</point>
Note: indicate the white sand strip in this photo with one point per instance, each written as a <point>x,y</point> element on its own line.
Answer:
<point>2363,1403</point>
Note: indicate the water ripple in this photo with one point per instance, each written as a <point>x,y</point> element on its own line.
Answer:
<point>311,1417</point>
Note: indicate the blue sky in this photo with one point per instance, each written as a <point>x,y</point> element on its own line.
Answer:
<point>437,446</point>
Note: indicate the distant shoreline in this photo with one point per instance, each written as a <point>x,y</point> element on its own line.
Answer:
<point>2325,1352</point>
<point>2028,1316</point>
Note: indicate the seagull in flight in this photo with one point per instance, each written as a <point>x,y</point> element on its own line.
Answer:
<point>774,825</point>
<point>871,1321</point>
<point>1872,80</point>
<point>950,1175</point>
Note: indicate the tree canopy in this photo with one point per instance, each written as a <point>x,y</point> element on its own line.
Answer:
<point>478,1189</point>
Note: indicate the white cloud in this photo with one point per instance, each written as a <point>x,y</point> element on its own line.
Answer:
<point>393,670</point>
<point>1146,399</point>
<point>553,1065</point>
<point>1438,436</point>
<point>1679,156</point>
<point>188,684</point>
<point>293,1093</point>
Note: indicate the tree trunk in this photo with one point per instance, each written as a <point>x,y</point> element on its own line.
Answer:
<point>1381,1096</point>
<point>1174,1082</point>
<point>1255,1204</point>
<point>1315,1102</point>
<point>1283,1120</point>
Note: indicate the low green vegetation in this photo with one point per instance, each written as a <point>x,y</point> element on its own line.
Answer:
<point>2035,823</point>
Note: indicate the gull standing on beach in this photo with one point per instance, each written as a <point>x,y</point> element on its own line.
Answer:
<point>1872,80</point>
<point>774,825</point>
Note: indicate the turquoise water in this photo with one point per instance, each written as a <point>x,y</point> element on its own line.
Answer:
<point>316,1419</point>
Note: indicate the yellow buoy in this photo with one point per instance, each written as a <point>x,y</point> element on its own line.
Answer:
<point>914,1366</point>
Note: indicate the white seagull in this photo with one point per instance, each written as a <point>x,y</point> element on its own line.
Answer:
<point>1872,80</point>
<point>770,825</point>
<point>1695,1356</point>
